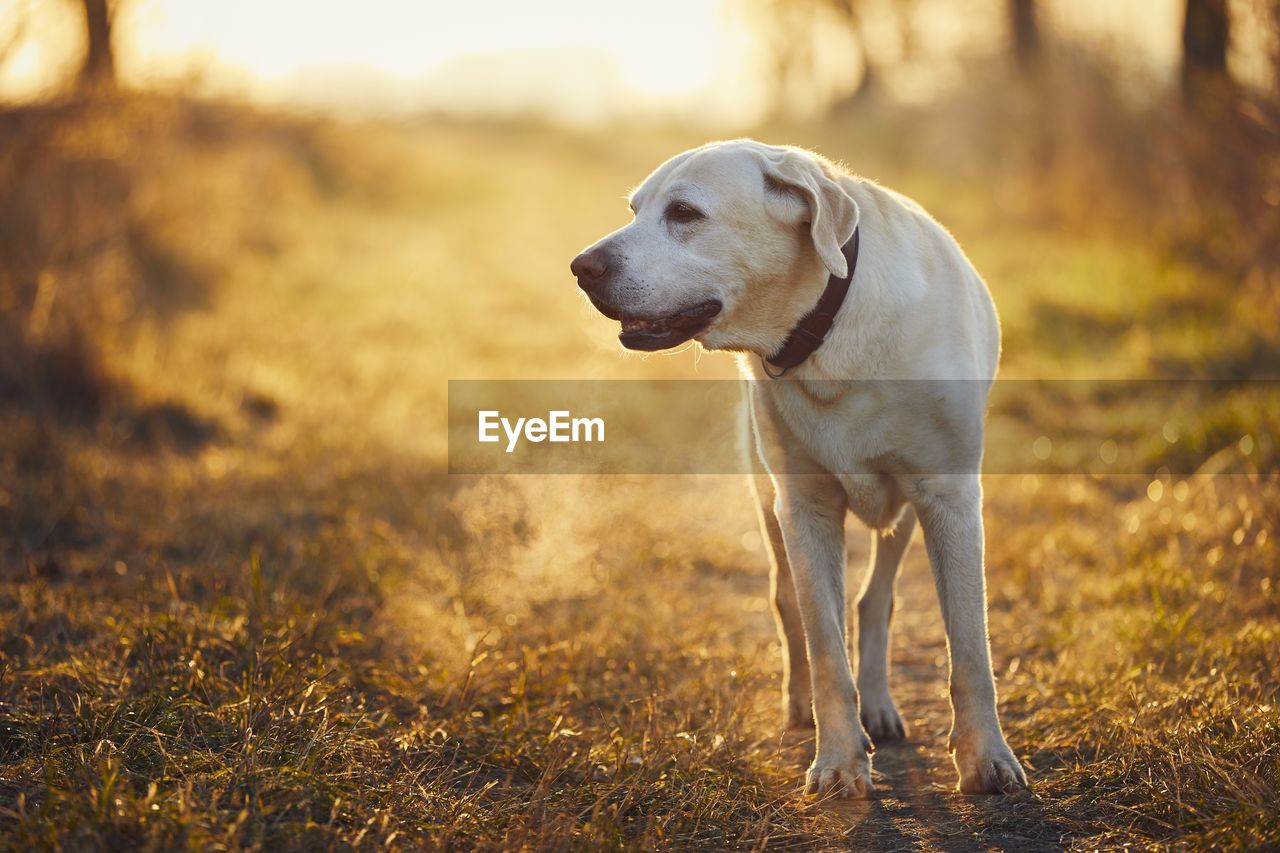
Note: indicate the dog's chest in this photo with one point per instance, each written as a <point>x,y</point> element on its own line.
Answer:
<point>839,425</point>
<point>847,432</point>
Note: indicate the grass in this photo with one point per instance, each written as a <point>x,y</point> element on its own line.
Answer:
<point>243,607</point>
<point>263,722</point>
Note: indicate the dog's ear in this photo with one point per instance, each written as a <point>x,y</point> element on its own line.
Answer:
<point>800,190</point>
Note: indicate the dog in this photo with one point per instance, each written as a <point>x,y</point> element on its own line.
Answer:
<point>868,343</point>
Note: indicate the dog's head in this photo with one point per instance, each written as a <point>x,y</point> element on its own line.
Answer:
<point>722,237</point>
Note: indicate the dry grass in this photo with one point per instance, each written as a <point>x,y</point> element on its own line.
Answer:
<point>242,606</point>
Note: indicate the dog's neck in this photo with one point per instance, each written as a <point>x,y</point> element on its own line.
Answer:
<point>809,333</point>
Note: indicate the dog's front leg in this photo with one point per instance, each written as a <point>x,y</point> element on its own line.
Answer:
<point>950,511</point>
<point>811,510</point>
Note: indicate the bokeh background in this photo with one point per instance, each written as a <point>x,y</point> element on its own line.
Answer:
<point>243,247</point>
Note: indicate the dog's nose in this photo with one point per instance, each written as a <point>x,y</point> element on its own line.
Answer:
<point>589,268</point>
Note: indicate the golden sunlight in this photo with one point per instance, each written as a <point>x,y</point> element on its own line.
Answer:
<point>371,476</point>
<point>573,59</point>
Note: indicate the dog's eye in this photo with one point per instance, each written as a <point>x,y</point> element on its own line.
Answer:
<point>680,212</point>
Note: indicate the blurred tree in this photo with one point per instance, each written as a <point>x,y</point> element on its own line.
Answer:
<point>1274,19</point>
<point>99,67</point>
<point>1206,34</point>
<point>15,30</point>
<point>790,29</point>
<point>1025,26</point>
<point>869,81</point>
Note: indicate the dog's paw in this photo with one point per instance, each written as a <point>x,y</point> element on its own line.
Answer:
<point>849,777</point>
<point>988,766</point>
<point>881,719</point>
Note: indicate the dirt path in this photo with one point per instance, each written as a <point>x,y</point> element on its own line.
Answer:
<point>917,806</point>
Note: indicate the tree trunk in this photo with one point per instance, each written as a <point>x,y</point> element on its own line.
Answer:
<point>99,68</point>
<point>869,83</point>
<point>1206,33</point>
<point>1025,28</point>
<point>1275,49</point>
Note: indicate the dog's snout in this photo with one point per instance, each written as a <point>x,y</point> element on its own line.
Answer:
<point>590,268</point>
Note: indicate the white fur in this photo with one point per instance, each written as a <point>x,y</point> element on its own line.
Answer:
<point>830,439</point>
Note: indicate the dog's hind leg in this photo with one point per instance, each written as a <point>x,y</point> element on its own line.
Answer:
<point>875,610</point>
<point>797,697</point>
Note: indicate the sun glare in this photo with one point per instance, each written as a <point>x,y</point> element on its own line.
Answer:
<point>578,59</point>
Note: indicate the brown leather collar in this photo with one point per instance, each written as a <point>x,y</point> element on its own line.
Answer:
<point>813,327</point>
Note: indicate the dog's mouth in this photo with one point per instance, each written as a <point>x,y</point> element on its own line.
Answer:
<point>669,330</point>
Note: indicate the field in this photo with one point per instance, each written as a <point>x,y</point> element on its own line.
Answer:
<point>244,606</point>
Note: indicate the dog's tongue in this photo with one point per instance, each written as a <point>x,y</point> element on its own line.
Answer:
<point>656,333</point>
<point>636,324</point>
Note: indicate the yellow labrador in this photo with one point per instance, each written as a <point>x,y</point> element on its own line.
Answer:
<point>889,342</point>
